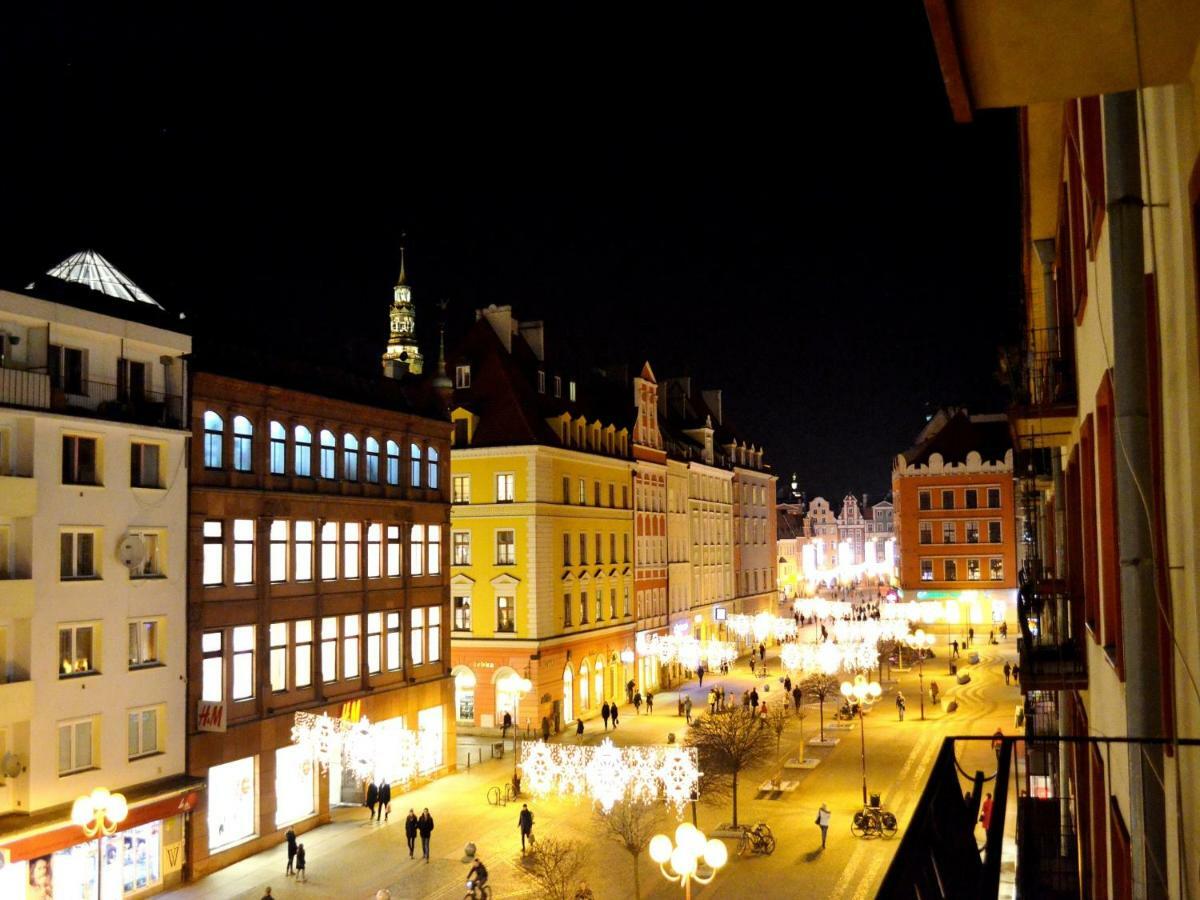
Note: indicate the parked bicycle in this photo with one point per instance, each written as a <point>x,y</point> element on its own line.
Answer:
<point>873,821</point>
<point>501,795</point>
<point>756,840</point>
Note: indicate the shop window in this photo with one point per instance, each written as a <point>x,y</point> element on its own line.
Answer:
<point>432,474</point>
<point>395,659</point>
<point>77,555</point>
<point>134,854</point>
<point>243,551</point>
<point>461,547</point>
<point>144,465</point>
<point>351,544</point>
<point>433,537</point>
<point>505,615</point>
<point>243,663</point>
<point>243,444</point>
<point>214,428</point>
<point>295,776</point>
<point>414,455</point>
<point>278,662</point>
<point>143,643</point>
<point>329,639</point>
<point>464,695</point>
<point>305,532</point>
<point>349,457</point>
<point>145,730</point>
<point>393,462</point>
<point>278,449</point>
<point>372,453</point>
<point>374,550</point>
<point>303,652</point>
<point>416,636</point>
<point>462,613</point>
<point>395,551</point>
<point>79,460</point>
<point>460,489</point>
<point>329,551</point>
<point>374,643</point>
<point>77,745</point>
<point>432,738</point>
<point>506,548</point>
<point>351,628</point>
<point>328,466</point>
<point>231,803</point>
<point>212,667</point>
<point>77,649</point>
<point>416,556</point>
<point>303,442</point>
<point>279,550</point>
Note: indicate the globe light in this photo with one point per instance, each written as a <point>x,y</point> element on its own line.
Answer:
<point>874,689</point>
<point>683,862</point>
<point>715,853</point>
<point>100,797</point>
<point>660,848</point>
<point>82,811</point>
<point>847,690</point>
<point>118,808</point>
<point>627,656</point>
<point>686,835</point>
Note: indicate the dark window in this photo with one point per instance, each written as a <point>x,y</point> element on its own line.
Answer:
<point>924,500</point>
<point>78,460</point>
<point>143,465</point>
<point>947,499</point>
<point>972,499</point>
<point>993,498</point>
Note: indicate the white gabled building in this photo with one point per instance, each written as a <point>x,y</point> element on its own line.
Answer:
<point>93,512</point>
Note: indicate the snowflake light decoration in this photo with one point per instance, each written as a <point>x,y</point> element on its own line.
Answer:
<point>680,775</point>
<point>321,734</point>
<point>607,775</point>
<point>537,765</point>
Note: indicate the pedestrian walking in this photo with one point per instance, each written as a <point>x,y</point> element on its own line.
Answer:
<point>1016,673</point>
<point>954,649</point>
<point>613,710</point>
<point>823,817</point>
<point>545,729</point>
<point>970,636</point>
<point>750,660</point>
<point>687,709</point>
<point>712,700</point>
<point>986,818</point>
<point>762,653</point>
<point>505,725</point>
<point>637,703</point>
<point>385,799</point>
<point>700,672</point>
<point>579,731</point>
<point>997,742</point>
<point>933,691</point>
<point>629,690</point>
<point>1003,631</point>
<point>525,823</point>
<point>991,637</point>
<point>900,704</point>
<point>746,699</point>
<point>425,827</point>
<point>301,862</point>
<point>583,892</point>
<point>1007,672</point>
<point>410,832</point>
<point>267,894</point>
<point>291,851</point>
<point>649,703</point>
<point>787,684</point>
<point>754,698</point>
<point>762,715</point>
<point>797,696</point>
<point>372,798</point>
<point>604,714</point>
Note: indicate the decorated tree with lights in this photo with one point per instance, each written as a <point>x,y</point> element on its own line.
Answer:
<point>819,687</point>
<point>632,823</point>
<point>729,744</point>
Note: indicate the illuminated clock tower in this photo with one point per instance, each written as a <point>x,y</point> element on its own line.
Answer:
<point>402,330</point>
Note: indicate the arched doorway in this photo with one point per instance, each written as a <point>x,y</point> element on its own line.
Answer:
<point>585,686</point>
<point>464,695</point>
<point>568,704</point>
<point>600,697</point>
<point>507,700</point>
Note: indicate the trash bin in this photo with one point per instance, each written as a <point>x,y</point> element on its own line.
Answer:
<point>875,800</point>
<point>498,750</point>
<point>953,668</point>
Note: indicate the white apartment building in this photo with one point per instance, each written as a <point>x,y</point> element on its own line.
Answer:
<point>93,503</point>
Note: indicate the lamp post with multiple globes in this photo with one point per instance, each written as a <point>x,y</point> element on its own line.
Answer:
<point>860,691</point>
<point>920,641</point>
<point>691,849</point>
<point>518,686</point>
<point>99,812</point>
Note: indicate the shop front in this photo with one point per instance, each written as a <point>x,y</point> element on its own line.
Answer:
<point>143,858</point>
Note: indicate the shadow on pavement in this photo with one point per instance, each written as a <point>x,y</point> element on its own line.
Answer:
<point>814,855</point>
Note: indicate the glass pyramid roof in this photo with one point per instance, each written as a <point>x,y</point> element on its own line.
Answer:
<point>89,268</point>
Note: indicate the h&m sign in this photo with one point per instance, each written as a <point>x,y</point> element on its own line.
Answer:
<point>210,716</point>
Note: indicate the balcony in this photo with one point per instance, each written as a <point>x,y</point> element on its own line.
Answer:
<point>19,387</point>
<point>18,497</point>
<point>35,389</point>
<point>1051,641</point>
<point>1047,855</point>
<point>16,596</point>
<point>1046,402</point>
<point>16,702</point>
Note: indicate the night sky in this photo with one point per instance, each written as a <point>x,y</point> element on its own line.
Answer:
<point>778,206</point>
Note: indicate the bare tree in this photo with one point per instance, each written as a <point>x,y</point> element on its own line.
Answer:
<point>777,719</point>
<point>820,687</point>
<point>632,824</point>
<point>729,744</point>
<point>554,867</point>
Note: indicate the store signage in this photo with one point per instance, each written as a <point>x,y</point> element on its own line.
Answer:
<point>485,665</point>
<point>719,613</point>
<point>210,716</point>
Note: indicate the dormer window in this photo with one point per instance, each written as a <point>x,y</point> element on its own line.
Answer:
<point>557,386</point>
<point>541,381</point>
<point>462,376</point>
<point>571,390</point>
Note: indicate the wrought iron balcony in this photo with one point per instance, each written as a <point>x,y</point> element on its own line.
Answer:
<point>1051,641</point>
<point>38,389</point>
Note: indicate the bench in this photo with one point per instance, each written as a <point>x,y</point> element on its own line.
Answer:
<point>777,785</point>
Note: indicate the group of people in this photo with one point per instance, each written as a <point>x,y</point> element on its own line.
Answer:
<point>379,801</point>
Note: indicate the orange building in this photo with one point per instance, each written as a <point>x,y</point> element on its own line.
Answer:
<point>955,515</point>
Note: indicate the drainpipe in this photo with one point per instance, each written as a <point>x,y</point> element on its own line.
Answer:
<point>1139,610</point>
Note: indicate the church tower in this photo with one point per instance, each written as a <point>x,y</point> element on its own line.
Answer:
<point>402,352</point>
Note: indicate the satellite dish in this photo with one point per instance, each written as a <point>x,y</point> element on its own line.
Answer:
<point>132,552</point>
<point>10,766</point>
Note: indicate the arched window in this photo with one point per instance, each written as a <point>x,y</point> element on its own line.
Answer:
<point>584,681</point>
<point>243,443</point>
<point>278,449</point>
<point>431,456</point>
<point>393,462</point>
<point>568,704</point>
<point>214,429</point>
<point>328,452</point>
<point>414,455</point>
<point>303,438</point>
<point>372,460</point>
<point>350,457</point>
<point>598,693</point>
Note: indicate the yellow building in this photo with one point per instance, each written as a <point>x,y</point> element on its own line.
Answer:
<point>541,534</point>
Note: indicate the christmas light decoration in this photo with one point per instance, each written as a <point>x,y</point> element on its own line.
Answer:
<point>371,751</point>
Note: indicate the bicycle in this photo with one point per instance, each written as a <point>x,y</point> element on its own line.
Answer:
<point>871,821</point>
<point>758,839</point>
<point>478,891</point>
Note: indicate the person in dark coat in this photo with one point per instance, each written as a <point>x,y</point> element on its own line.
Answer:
<point>649,702</point>
<point>545,729</point>
<point>385,799</point>
<point>410,832</point>
<point>613,711</point>
<point>525,823</point>
<point>372,798</point>
<point>300,863</point>
<point>579,730</point>
<point>425,826</point>
<point>762,653</point>
<point>754,698</point>
<point>637,703</point>
<point>700,672</point>
<point>1007,672</point>
<point>505,725</point>
<point>604,714</point>
<point>797,696</point>
<point>291,848</point>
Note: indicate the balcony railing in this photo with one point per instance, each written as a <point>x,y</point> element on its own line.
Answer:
<point>19,387</point>
<point>1051,641</point>
<point>37,389</point>
<point>1047,853</point>
<point>1047,374</point>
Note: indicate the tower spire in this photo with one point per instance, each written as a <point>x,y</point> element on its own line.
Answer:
<point>402,353</point>
<point>403,279</point>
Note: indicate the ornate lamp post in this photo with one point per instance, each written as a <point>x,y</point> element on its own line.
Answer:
<point>921,642</point>
<point>859,691</point>
<point>99,812</point>
<point>628,657</point>
<point>690,849</point>
<point>515,684</point>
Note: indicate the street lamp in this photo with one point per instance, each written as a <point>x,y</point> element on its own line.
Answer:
<point>921,642</point>
<point>628,658</point>
<point>99,812</point>
<point>690,848</point>
<point>860,690</point>
<point>515,684</point>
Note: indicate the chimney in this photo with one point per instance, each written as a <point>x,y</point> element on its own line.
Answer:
<point>535,336</point>
<point>864,506</point>
<point>712,398</point>
<point>502,322</point>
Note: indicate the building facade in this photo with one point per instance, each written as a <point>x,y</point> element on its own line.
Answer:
<point>650,550</point>
<point>754,528</point>
<point>93,505</point>
<point>318,576</point>
<point>542,530</point>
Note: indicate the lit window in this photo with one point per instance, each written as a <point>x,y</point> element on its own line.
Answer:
<point>77,646</point>
<point>303,652</point>
<point>434,538</point>
<point>79,460</point>
<point>143,465</point>
<point>329,555</point>
<point>416,636</point>
<point>435,633</point>
<point>972,570</point>
<point>243,662</point>
<point>374,642</point>
<point>416,556</point>
<point>392,637</point>
<point>279,550</point>
<point>75,745</point>
<point>414,456</point>
<point>144,731</point>
<point>393,462</point>
<point>972,532</point>
<point>927,570</point>
<point>351,542</point>
<point>505,614</point>
<point>243,551</point>
<point>77,556</point>
<point>278,448</point>
<point>571,390</point>
<point>433,479</point>
<point>504,488</point>
<point>305,532</point>
<point>461,547</point>
<point>395,551</point>
<point>583,607</point>
<point>349,457</point>
<point>374,550</point>
<point>506,551</point>
<point>143,643</point>
<point>214,428</point>
<point>462,613</point>
<point>372,447</point>
<point>212,667</point>
<point>278,655</point>
<point>350,638</point>
<point>582,492</point>
<point>462,376</point>
<point>612,603</point>
<point>948,533</point>
<point>328,453</point>
<point>996,569</point>
<point>303,441</point>
<point>541,381</point>
<point>243,443</point>
<point>329,635</point>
